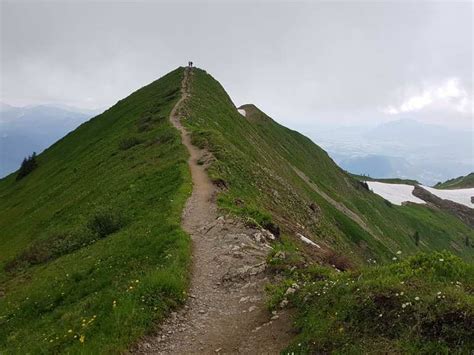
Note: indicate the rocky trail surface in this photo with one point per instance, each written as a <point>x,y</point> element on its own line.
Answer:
<point>225,311</point>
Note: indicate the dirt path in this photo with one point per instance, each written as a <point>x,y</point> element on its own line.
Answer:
<point>225,312</point>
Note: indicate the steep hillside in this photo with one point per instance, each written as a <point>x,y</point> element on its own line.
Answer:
<point>91,248</point>
<point>271,173</point>
<point>461,182</point>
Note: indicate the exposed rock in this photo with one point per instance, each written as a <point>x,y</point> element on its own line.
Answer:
<point>244,272</point>
<point>268,235</point>
<point>280,255</point>
<point>273,228</point>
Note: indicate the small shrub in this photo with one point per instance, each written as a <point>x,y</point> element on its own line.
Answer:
<point>165,137</point>
<point>50,248</point>
<point>27,166</point>
<point>145,122</point>
<point>339,261</point>
<point>416,237</point>
<point>105,222</point>
<point>129,142</point>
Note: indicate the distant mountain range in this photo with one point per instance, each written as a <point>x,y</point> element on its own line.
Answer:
<point>401,149</point>
<point>24,130</point>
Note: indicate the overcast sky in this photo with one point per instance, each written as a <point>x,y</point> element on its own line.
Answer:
<point>304,63</point>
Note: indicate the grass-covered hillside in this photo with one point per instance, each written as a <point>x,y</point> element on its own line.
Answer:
<point>271,173</point>
<point>91,249</point>
<point>461,182</point>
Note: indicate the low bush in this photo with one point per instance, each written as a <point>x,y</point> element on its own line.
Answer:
<point>50,248</point>
<point>338,260</point>
<point>57,244</point>
<point>129,142</point>
<point>104,223</point>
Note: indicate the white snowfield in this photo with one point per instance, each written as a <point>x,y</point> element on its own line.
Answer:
<point>395,193</point>
<point>242,112</point>
<point>462,196</point>
<point>398,193</point>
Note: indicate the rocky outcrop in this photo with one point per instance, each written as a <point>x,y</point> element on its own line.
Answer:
<point>464,213</point>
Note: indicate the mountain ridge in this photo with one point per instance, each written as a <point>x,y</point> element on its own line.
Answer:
<point>93,252</point>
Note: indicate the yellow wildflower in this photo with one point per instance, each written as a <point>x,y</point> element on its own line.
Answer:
<point>82,338</point>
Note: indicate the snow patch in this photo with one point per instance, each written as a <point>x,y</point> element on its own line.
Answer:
<point>242,112</point>
<point>395,193</point>
<point>308,241</point>
<point>461,196</point>
<point>398,193</point>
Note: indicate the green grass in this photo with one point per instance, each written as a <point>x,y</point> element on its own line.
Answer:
<point>91,248</point>
<point>423,304</point>
<point>256,157</point>
<point>461,182</point>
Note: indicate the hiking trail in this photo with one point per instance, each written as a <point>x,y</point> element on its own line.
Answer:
<point>225,311</point>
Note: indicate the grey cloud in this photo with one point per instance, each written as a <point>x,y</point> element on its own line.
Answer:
<point>301,62</point>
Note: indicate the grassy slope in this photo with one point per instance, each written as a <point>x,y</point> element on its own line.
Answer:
<point>71,287</point>
<point>256,156</point>
<point>462,182</point>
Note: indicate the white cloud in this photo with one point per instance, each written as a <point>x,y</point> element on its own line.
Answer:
<point>448,95</point>
<point>417,102</point>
